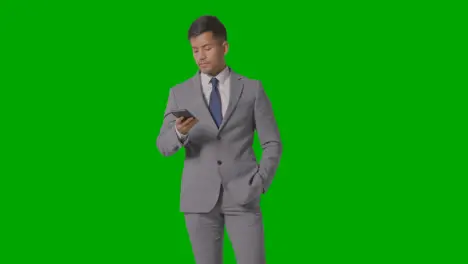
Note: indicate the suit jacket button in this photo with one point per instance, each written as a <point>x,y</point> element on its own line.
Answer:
<point>218,137</point>
<point>220,162</point>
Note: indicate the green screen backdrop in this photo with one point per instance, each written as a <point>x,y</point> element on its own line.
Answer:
<point>354,87</point>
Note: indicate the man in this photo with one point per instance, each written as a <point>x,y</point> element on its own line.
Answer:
<point>222,180</point>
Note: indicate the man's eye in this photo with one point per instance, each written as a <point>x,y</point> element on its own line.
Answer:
<point>207,48</point>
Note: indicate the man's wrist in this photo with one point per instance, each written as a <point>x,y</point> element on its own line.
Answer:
<point>180,135</point>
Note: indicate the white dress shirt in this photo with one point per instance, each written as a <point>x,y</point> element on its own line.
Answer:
<point>224,87</point>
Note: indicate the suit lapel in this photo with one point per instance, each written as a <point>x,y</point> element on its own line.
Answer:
<point>236,90</point>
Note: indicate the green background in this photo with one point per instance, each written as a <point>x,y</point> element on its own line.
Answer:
<point>368,98</point>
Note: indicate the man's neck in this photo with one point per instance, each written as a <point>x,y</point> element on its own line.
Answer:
<point>215,73</point>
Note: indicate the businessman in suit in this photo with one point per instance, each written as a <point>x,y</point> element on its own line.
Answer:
<point>222,181</point>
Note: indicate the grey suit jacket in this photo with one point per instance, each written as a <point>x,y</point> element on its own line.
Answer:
<point>223,156</point>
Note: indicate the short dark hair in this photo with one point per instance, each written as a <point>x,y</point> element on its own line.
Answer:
<point>208,24</point>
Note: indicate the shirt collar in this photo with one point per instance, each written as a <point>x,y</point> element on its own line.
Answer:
<point>222,76</point>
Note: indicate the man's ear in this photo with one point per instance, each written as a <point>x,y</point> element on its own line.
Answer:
<point>225,47</point>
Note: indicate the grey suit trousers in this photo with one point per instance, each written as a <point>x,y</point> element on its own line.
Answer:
<point>244,225</point>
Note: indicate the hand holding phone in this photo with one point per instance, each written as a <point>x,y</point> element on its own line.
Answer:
<point>185,120</point>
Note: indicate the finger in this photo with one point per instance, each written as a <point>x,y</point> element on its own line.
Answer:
<point>183,124</point>
<point>188,124</point>
<point>192,123</point>
<point>187,121</point>
<point>179,120</point>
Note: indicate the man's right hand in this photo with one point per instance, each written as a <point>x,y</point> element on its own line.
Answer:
<point>184,126</point>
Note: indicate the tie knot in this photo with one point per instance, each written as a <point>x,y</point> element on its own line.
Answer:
<point>214,81</point>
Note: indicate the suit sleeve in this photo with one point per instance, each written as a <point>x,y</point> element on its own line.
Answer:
<point>269,137</point>
<point>167,142</point>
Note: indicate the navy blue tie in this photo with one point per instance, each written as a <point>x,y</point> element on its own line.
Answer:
<point>215,103</point>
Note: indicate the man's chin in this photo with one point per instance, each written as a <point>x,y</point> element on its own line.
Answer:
<point>206,70</point>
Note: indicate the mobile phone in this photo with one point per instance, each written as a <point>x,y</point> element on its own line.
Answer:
<point>182,113</point>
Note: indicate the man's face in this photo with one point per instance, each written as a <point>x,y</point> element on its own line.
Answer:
<point>208,52</point>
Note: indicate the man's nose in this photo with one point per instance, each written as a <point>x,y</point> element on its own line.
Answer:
<point>201,55</point>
